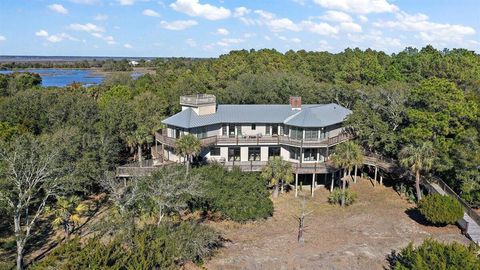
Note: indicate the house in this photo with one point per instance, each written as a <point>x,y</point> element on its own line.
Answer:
<point>247,136</point>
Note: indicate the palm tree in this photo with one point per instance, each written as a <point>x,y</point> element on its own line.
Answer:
<point>187,146</point>
<point>279,172</point>
<point>417,159</point>
<point>138,139</point>
<point>67,213</point>
<point>346,156</point>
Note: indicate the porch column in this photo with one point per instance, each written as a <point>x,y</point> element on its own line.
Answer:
<point>375,178</point>
<point>355,177</point>
<point>331,182</point>
<point>296,185</point>
<point>313,183</point>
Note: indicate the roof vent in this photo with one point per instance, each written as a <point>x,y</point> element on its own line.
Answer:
<point>296,103</point>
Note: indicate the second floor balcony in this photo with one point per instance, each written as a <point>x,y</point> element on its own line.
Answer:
<point>258,140</point>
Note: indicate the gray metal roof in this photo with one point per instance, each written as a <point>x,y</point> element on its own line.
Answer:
<point>311,115</point>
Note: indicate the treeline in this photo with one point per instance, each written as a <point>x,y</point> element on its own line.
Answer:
<point>91,63</point>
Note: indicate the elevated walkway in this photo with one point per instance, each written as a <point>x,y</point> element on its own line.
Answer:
<point>470,223</point>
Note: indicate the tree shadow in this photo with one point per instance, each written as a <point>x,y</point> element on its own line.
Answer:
<point>40,237</point>
<point>415,215</point>
<point>392,259</point>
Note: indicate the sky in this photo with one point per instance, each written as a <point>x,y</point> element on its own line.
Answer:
<point>209,28</point>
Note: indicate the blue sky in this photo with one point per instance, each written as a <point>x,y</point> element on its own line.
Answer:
<point>205,28</point>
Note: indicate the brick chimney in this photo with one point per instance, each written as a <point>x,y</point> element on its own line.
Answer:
<point>296,103</point>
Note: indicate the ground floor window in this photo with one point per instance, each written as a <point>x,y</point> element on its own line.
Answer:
<point>254,153</point>
<point>234,154</point>
<point>273,152</point>
<point>215,151</point>
<point>310,154</point>
<point>294,153</point>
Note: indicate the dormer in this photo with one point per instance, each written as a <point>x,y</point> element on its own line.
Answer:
<point>201,104</point>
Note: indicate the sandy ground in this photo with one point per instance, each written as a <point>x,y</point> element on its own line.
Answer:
<point>357,237</point>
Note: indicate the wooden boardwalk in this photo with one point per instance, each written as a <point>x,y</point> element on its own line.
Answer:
<point>473,228</point>
<point>470,223</point>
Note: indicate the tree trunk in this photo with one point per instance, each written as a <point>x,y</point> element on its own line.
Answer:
<point>140,155</point>
<point>19,240</point>
<point>281,187</point>
<point>188,164</point>
<point>275,191</point>
<point>19,255</point>
<point>417,185</point>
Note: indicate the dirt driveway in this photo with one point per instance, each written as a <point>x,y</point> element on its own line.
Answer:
<point>358,237</point>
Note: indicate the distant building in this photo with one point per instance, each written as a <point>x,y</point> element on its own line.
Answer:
<point>133,63</point>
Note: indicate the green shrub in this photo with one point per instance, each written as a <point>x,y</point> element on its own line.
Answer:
<point>5,265</point>
<point>336,197</point>
<point>434,255</point>
<point>164,247</point>
<point>407,191</point>
<point>472,198</point>
<point>440,209</point>
<point>236,195</point>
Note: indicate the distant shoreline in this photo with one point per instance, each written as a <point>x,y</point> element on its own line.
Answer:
<point>94,70</point>
<point>73,59</point>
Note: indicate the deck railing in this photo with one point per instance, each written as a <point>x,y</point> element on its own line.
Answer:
<point>468,209</point>
<point>258,140</point>
<point>197,99</point>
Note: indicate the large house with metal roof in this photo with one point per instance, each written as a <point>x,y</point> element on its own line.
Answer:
<point>248,136</point>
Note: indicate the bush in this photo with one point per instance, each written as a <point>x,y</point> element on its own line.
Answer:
<point>434,255</point>
<point>440,209</point>
<point>164,247</point>
<point>336,197</point>
<point>407,191</point>
<point>236,195</point>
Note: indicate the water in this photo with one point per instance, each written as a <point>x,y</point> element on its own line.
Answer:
<point>63,77</point>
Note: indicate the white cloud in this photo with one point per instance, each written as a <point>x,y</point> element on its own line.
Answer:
<point>226,42</point>
<point>321,28</point>
<point>350,27</point>
<point>195,9</point>
<point>336,16</point>
<point>2,38</point>
<point>58,8</point>
<point>100,17</point>
<point>358,6</point>
<point>249,35</point>
<point>128,46</point>
<point>431,32</point>
<point>150,13</point>
<point>295,40</point>
<point>54,38</point>
<point>178,25</point>
<point>41,33</point>
<point>190,42</point>
<point>126,2</point>
<point>363,18</point>
<point>222,31</point>
<point>241,11</point>
<point>88,27</point>
<point>109,39</point>
<point>276,25</point>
